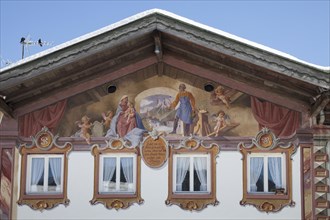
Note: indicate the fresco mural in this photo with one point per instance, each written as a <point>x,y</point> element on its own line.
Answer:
<point>224,96</point>
<point>177,110</point>
<point>156,112</point>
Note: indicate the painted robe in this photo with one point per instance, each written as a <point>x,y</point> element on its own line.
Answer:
<point>187,104</point>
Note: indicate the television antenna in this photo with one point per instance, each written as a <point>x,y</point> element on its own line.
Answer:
<point>27,41</point>
<point>5,62</point>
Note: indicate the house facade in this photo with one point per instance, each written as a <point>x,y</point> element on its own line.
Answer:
<point>160,117</point>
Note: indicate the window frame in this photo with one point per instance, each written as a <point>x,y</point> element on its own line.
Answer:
<point>268,201</point>
<point>116,200</point>
<point>46,158</point>
<point>196,201</point>
<point>265,157</point>
<point>118,156</point>
<point>43,145</point>
<point>191,168</point>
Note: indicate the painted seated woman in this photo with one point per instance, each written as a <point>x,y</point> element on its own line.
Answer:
<point>126,123</point>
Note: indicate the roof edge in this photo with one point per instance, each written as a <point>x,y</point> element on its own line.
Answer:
<point>125,21</point>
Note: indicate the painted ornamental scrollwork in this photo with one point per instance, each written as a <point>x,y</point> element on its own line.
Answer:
<point>41,204</point>
<point>120,203</point>
<point>190,143</point>
<point>43,145</point>
<point>44,140</point>
<point>266,140</point>
<point>116,200</point>
<point>117,144</point>
<point>192,204</point>
<point>193,201</point>
<point>266,143</point>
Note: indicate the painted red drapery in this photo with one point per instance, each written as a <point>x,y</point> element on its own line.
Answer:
<point>280,120</point>
<point>31,123</point>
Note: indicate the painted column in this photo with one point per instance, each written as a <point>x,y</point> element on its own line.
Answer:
<point>8,141</point>
<point>305,141</point>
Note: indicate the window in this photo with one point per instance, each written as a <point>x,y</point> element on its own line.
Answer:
<point>117,175</point>
<point>45,174</point>
<point>192,175</point>
<point>267,172</point>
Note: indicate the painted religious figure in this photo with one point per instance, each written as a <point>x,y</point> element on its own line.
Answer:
<point>126,123</point>
<point>107,119</point>
<point>130,115</point>
<point>220,95</point>
<point>220,124</point>
<point>223,124</point>
<point>185,111</point>
<point>85,126</point>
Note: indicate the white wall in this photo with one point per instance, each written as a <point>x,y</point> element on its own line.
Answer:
<point>154,192</point>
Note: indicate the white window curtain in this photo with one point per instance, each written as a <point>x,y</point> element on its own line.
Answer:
<point>55,167</point>
<point>127,164</point>
<point>274,165</point>
<point>200,164</point>
<point>36,172</point>
<point>182,166</point>
<point>109,167</point>
<point>256,164</point>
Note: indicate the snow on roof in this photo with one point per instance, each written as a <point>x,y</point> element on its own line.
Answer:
<point>168,14</point>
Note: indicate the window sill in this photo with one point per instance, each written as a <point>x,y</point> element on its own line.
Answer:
<point>116,195</point>
<point>189,195</point>
<point>43,196</point>
<point>266,196</point>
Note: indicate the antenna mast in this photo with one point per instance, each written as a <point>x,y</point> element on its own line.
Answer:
<point>27,42</point>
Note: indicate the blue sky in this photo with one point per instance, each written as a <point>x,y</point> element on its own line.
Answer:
<point>298,28</point>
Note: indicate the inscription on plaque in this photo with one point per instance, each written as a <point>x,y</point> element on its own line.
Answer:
<point>154,152</point>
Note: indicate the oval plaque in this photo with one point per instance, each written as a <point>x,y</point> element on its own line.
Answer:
<point>266,140</point>
<point>154,152</point>
<point>44,139</point>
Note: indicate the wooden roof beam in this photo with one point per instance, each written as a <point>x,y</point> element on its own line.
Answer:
<point>158,45</point>
<point>99,79</point>
<point>159,52</point>
<point>225,67</point>
<point>320,103</point>
<point>106,64</point>
<point>260,91</point>
<point>5,109</point>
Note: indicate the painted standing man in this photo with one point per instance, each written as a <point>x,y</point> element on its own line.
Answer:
<point>186,110</point>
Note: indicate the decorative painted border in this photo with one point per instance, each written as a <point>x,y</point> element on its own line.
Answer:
<point>265,140</point>
<point>43,143</point>
<point>116,201</point>
<point>193,202</point>
<point>44,140</point>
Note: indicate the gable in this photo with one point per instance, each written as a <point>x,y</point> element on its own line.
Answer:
<point>158,43</point>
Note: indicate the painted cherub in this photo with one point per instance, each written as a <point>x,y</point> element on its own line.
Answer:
<point>220,124</point>
<point>85,126</point>
<point>220,95</point>
<point>130,112</point>
<point>107,119</point>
